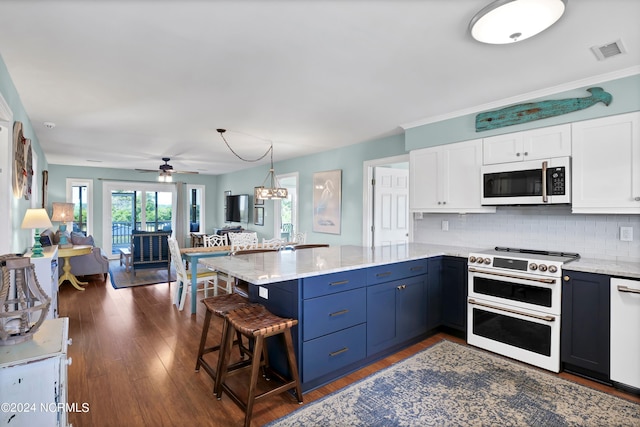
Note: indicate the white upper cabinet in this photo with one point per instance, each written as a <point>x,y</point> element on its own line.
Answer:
<point>446,178</point>
<point>606,165</point>
<point>535,144</point>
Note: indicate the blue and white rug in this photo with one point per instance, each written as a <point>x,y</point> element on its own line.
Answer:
<point>453,385</point>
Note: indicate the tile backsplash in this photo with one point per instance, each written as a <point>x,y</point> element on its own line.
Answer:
<point>535,227</point>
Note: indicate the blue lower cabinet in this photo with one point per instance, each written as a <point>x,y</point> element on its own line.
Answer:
<point>330,313</point>
<point>396,312</point>
<point>332,352</point>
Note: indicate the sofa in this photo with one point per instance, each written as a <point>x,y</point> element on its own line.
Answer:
<point>83,265</point>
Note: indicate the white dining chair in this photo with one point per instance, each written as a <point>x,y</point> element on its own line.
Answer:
<point>299,238</point>
<point>183,276</point>
<point>243,241</point>
<point>273,243</point>
<point>211,240</point>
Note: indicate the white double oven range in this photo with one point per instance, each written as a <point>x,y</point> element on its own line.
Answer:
<point>514,304</point>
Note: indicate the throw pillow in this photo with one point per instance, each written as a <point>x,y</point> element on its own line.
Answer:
<point>81,239</point>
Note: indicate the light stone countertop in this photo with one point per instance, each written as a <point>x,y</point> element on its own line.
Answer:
<point>271,267</point>
<point>280,266</point>
<point>603,266</point>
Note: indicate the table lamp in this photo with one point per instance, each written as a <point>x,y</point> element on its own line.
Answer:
<point>63,213</point>
<point>36,218</point>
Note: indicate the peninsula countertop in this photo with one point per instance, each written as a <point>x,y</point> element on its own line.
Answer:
<point>264,268</point>
<point>271,267</point>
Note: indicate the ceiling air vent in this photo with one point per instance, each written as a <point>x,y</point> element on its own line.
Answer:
<point>608,50</point>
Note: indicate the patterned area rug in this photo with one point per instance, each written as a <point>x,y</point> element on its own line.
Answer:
<point>122,279</point>
<point>450,384</point>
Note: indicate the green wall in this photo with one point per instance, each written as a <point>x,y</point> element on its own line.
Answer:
<point>58,175</point>
<point>20,239</point>
<point>626,98</point>
<point>348,159</point>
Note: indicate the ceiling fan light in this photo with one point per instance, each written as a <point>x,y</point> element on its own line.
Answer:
<point>509,21</point>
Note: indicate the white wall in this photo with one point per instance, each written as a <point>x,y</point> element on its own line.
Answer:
<point>531,227</point>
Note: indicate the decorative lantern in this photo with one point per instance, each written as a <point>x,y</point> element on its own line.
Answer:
<point>23,303</point>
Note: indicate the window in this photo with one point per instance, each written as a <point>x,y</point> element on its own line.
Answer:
<point>195,198</point>
<point>80,193</point>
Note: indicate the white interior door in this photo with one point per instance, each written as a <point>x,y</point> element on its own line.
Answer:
<point>391,206</point>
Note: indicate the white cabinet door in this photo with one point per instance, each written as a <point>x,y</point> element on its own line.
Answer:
<point>447,178</point>
<point>535,144</point>
<point>606,165</point>
<point>425,176</point>
<point>547,143</point>
<point>502,148</point>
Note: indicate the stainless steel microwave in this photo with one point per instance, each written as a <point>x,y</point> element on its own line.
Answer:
<point>532,182</point>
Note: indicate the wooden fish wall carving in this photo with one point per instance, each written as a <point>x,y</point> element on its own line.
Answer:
<point>523,113</point>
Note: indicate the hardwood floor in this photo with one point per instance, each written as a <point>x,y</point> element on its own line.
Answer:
<point>134,356</point>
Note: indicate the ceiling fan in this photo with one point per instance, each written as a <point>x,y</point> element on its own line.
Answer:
<point>165,170</point>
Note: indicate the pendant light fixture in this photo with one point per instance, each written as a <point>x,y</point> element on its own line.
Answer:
<point>274,191</point>
<point>510,21</point>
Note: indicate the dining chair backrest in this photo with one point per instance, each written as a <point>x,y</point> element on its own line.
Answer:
<point>176,260</point>
<point>299,238</point>
<point>211,240</point>
<point>242,241</point>
<point>273,243</point>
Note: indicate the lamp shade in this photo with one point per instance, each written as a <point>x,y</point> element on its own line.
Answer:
<point>62,212</point>
<point>36,218</point>
<point>509,21</point>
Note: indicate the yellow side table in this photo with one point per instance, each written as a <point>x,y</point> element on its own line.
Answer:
<point>65,254</point>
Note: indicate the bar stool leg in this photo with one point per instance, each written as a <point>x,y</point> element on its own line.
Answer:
<point>255,367</point>
<point>203,338</point>
<point>292,364</point>
<point>223,358</point>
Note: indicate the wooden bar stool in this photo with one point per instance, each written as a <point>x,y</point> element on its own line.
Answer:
<point>220,305</point>
<point>257,323</point>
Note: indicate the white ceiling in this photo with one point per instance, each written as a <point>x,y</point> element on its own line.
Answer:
<point>129,82</point>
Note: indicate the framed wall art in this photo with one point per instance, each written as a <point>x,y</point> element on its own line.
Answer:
<point>258,216</point>
<point>327,201</point>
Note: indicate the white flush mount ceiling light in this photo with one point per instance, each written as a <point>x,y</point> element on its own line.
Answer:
<point>509,21</point>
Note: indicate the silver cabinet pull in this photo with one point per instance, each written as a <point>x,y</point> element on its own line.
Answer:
<point>401,287</point>
<point>342,350</point>
<point>627,289</point>
<point>338,313</point>
<point>385,274</point>
<point>341,282</point>
<point>508,310</point>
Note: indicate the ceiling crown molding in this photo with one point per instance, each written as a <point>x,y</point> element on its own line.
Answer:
<point>626,72</point>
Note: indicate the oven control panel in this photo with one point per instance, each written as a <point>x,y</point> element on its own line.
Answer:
<point>510,263</point>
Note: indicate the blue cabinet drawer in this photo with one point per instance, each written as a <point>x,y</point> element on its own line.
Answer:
<point>332,352</point>
<point>400,270</point>
<point>331,313</point>
<point>332,283</point>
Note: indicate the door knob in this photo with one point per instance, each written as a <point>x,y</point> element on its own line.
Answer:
<point>566,278</point>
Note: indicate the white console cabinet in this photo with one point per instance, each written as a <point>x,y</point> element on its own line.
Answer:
<point>534,144</point>
<point>33,378</point>
<point>46,269</point>
<point>446,178</point>
<point>606,165</point>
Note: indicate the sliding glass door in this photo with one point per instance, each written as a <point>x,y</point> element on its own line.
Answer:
<point>135,206</point>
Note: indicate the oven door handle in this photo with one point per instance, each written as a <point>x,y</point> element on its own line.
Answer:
<point>511,276</point>
<point>509,310</point>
